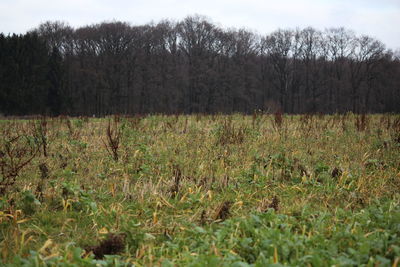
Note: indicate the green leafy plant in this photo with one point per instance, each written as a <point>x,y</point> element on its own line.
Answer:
<point>29,203</point>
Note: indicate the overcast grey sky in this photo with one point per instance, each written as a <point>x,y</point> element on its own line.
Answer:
<point>377,18</point>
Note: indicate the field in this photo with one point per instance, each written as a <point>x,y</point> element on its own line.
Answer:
<point>201,190</point>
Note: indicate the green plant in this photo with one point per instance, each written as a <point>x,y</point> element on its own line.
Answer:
<point>190,191</point>
<point>29,203</point>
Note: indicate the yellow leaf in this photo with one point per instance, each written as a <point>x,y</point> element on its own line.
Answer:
<point>52,256</point>
<point>239,203</point>
<point>183,198</point>
<point>396,262</point>
<point>209,193</point>
<point>275,255</point>
<point>44,248</point>
<point>166,202</point>
<point>155,219</point>
<point>103,231</point>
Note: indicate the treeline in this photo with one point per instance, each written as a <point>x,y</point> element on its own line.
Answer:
<point>193,66</point>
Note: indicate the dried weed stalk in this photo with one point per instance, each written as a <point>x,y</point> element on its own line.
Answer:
<point>277,121</point>
<point>223,211</point>
<point>361,122</point>
<point>40,132</point>
<point>113,134</point>
<point>229,134</point>
<point>267,204</point>
<point>15,153</point>
<point>177,180</point>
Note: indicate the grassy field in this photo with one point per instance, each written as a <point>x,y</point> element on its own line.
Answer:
<point>197,190</point>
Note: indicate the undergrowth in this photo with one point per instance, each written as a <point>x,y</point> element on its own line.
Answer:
<point>260,190</point>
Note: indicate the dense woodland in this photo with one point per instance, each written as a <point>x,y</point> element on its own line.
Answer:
<point>193,66</point>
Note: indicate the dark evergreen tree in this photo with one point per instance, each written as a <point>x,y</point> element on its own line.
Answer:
<point>55,75</point>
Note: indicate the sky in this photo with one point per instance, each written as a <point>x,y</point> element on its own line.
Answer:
<point>377,18</point>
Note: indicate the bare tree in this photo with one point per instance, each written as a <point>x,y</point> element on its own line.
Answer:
<point>277,47</point>
<point>366,52</point>
<point>195,66</point>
